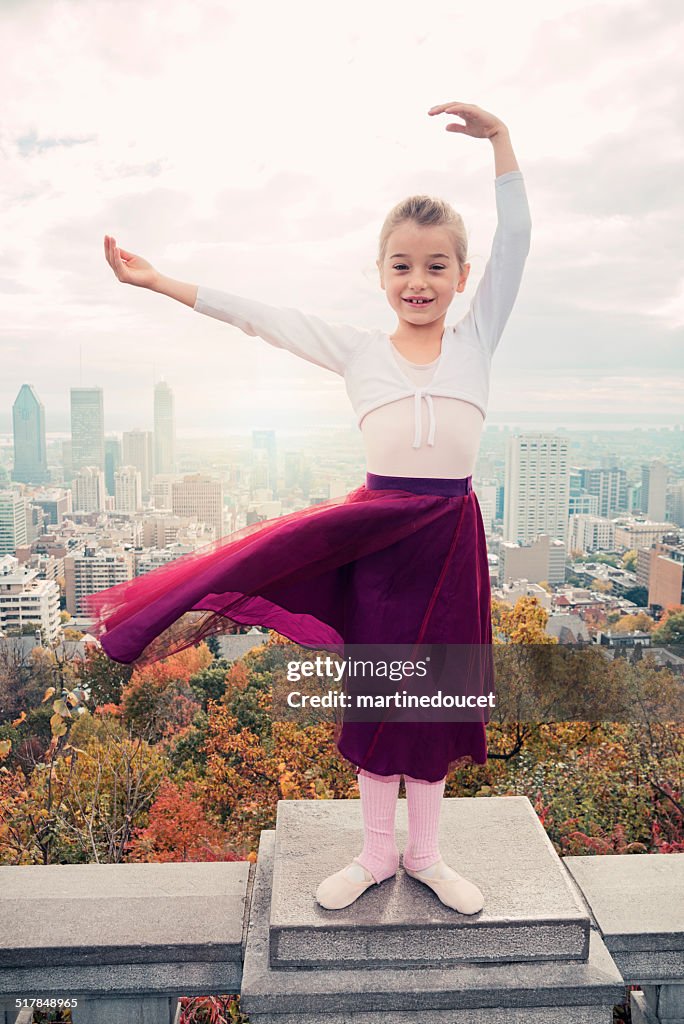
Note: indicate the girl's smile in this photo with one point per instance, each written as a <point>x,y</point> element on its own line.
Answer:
<point>420,275</point>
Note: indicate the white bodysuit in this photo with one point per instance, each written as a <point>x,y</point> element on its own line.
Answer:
<point>399,404</point>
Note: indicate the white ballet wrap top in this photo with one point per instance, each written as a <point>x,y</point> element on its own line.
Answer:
<point>399,404</point>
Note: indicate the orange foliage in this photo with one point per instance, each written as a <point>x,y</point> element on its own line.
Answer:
<point>179,830</point>
<point>523,623</point>
<point>13,799</point>
<point>237,680</point>
<point>108,709</point>
<point>181,666</point>
<point>157,700</point>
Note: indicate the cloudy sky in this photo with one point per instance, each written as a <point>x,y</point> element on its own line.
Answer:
<point>257,147</point>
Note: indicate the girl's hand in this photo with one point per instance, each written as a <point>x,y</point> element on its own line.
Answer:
<point>478,122</point>
<point>128,267</point>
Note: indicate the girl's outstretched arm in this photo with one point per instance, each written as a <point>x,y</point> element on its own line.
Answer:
<point>328,345</point>
<point>480,124</point>
<point>132,269</point>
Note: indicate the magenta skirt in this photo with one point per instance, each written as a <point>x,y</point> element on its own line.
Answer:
<point>400,560</point>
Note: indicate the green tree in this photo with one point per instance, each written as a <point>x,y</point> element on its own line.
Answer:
<point>671,627</point>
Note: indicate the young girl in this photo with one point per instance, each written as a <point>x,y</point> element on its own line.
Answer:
<point>400,560</point>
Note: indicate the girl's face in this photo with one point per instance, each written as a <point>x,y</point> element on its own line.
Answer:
<point>420,263</point>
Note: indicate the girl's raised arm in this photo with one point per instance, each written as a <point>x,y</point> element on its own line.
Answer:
<point>498,288</point>
<point>480,124</point>
<point>132,269</point>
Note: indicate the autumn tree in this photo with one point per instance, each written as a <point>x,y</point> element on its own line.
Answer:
<point>629,560</point>
<point>640,622</point>
<point>104,678</point>
<point>85,794</point>
<point>158,699</point>
<point>671,626</point>
<point>179,829</point>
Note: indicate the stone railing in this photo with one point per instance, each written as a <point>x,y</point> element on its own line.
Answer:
<point>558,940</point>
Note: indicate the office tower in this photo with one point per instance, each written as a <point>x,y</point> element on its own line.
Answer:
<point>36,521</point>
<point>161,489</point>
<point>87,428</point>
<point>112,461</point>
<point>665,575</point>
<point>678,503</point>
<point>128,489</point>
<point>266,466</point>
<point>500,500</point>
<point>138,451</point>
<point>537,483</point>
<point>89,571</point>
<point>88,488</point>
<point>609,485</point>
<point>164,429</point>
<point>584,505</point>
<point>635,534</point>
<point>12,522</point>
<point>67,469</point>
<point>591,533</point>
<point>27,601</point>
<point>654,490</point>
<point>199,496</point>
<point>55,503</point>
<point>28,425</point>
<point>541,559</point>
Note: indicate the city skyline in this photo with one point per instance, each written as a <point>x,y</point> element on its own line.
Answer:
<point>519,419</point>
<point>285,205</point>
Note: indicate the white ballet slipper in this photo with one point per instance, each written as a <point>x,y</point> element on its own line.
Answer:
<point>453,889</point>
<point>341,889</point>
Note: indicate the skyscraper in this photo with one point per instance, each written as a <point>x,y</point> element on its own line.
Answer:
<point>89,490</point>
<point>265,441</point>
<point>28,423</point>
<point>87,428</point>
<point>12,522</point>
<point>537,483</point>
<point>128,485</point>
<point>200,496</point>
<point>112,461</point>
<point>164,429</point>
<point>609,485</point>
<point>654,490</point>
<point>138,451</point>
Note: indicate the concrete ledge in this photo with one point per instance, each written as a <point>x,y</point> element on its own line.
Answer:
<point>130,930</point>
<point>192,978</point>
<point>637,902</point>
<point>492,1015</point>
<point>532,911</point>
<point>121,913</point>
<point>468,993</point>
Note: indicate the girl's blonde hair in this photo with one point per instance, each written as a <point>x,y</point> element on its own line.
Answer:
<point>426,211</point>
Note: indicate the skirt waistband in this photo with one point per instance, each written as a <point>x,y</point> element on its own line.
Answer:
<point>445,486</point>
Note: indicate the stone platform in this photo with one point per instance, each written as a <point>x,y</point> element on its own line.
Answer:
<point>532,956</point>
<point>531,911</point>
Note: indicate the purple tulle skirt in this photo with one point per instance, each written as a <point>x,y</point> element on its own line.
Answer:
<point>400,560</point>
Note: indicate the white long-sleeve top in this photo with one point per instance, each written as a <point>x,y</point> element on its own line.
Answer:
<point>388,393</point>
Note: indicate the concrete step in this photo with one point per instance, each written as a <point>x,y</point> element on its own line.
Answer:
<point>575,991</point>
<point>531,908</point>
<point>637,902</point>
